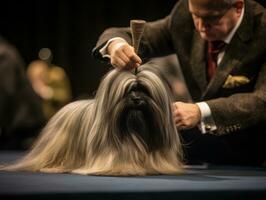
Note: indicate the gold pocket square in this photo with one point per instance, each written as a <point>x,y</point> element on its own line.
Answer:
<point>235,81</point>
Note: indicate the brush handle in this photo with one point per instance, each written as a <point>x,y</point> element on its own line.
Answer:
<point>137,29</point>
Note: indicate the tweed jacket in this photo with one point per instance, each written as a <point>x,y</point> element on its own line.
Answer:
<point>236,107</point>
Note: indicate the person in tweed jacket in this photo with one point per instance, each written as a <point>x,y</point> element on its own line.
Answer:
<point>225,122</point>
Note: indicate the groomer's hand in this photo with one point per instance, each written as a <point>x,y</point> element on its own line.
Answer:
<point>186,115</point>
<point>123,55</point>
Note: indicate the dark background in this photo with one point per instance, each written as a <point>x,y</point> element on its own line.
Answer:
<point>70,29</point>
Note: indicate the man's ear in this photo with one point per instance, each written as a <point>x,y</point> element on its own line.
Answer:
<point>239,5</point>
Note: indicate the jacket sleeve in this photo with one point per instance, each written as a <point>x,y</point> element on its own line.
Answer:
<point>156,40</point>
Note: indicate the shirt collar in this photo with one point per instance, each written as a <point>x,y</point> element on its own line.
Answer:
<point>229,37</point>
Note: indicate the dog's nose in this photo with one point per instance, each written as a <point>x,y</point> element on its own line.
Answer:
<point>136,100</point>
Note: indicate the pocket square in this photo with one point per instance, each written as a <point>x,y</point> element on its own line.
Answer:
<point>235,81</point>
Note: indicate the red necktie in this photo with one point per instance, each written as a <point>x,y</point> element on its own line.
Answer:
<point>214,48</point>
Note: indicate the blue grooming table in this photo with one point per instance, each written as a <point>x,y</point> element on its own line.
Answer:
<point>199,182</point>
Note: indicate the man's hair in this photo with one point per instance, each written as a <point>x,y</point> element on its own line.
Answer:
<point>229,3</point>
<point>222,4</point>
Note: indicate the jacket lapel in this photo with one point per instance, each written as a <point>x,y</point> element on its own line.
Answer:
<point>234,53</point>
<point>232,59</point>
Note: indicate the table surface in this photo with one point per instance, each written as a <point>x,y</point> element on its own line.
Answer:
<point>207,181</point>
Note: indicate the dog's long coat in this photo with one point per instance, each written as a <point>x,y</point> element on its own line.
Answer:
<point>126,130</point>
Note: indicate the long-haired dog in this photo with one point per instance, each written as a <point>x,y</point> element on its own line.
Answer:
<point>127,129</point>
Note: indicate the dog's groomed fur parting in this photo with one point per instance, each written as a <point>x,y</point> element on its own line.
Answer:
<point>126,130</point>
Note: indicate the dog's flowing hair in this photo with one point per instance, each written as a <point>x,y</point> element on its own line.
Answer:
<point>127,129</point>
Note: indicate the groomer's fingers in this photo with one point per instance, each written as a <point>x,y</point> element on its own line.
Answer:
<point>181,127</point>
<point>133,57</point>
<point>123,56</point>
<point>185,115</point>
<point>121,50</point>
<point>175,111</point>
<point>117,57</point>
<point>121,61</point>
<point>118,63</point>
<point>177,119</point>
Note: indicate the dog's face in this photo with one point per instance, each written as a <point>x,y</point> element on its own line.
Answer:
<point>138,106</point>
<point>137,96</point>
<point>138,116</point>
